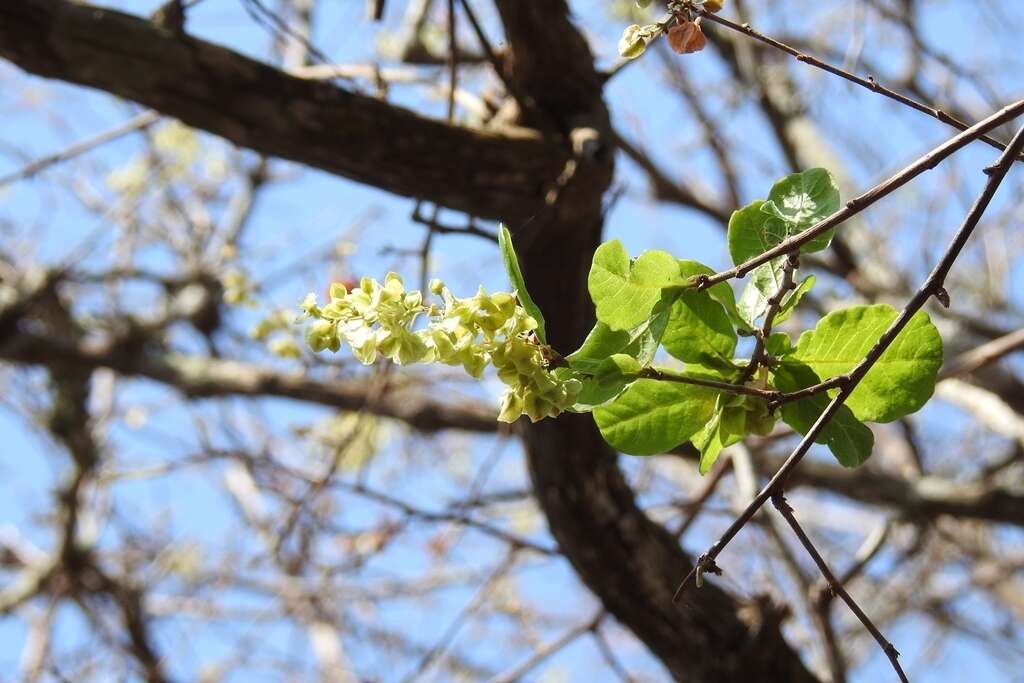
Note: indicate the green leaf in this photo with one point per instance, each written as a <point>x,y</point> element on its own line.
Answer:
<point>803,200</point>
<point>720,432</point>
<point>765,281</point>
<point>902,380</point>
<point>710,441</point>
<point>848,438</point>
<point>794,204</point>
<point>720,292</point>
<point>790,303</point>
<point>778,344</point>
<point>626,293</point>
<point>588,362</point>
<point>651,416</point>
<point>699,331</point>
<point>606,381</point>
<point>641,343</point>
<point>753,231</point>
<point>515,277</point>
<point>616,370</point>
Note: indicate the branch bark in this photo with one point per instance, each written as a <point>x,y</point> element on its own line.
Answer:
<point>487,174</point>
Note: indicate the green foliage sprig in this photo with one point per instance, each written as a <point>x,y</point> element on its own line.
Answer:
<point>656,302</point>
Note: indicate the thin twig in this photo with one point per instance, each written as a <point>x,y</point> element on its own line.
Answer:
<point>453,61</point>
<point>548,649</point>
<point>807,392</point>
<point>933,286</point>
<point>817,612</point>
<point>981,356</point>
<point>609,657</point>
<point>779,501</point>
<point>726,387</point>
<point>758,357</point>
<point>471,228</point>
<point>524,100</point>
<point>268,19</point>
<point>516,542</point>
<point>697,504</point>
<point>143,120</point>
<point>870,83</point>
<point>503,568</point>
<point>871,546</point>
<point>863,201</point>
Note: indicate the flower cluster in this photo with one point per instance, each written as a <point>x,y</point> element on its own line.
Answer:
<point>378,319</point>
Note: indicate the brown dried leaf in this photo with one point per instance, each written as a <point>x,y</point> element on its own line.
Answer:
<point>687,37</point>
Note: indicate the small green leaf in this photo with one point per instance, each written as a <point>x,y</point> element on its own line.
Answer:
<point>721,292</point>
<point>795,203</point>
<point>752,231</point>
<point>803,200</point>
<point>604,383</point>
<point>626,293</point>
<point>617,370</point>
<point>710,441</point>
<point>651,417</point>
<point>699,331</point>
<point>790,303</point>
<point>778,344</point>
<point>641,343</point>
<point>848,438</point>
<point>602,344</point>
<point>899,383</point>
<point>515,277</point>
<point>735,417</point>
<point>765,281</point>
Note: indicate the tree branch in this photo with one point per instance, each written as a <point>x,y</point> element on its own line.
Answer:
<point>210,377</point>
<point>212,88</point>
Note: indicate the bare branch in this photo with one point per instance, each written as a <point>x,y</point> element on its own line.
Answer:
<point>225,93</point>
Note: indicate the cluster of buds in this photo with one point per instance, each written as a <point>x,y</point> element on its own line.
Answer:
<point>378,319</point>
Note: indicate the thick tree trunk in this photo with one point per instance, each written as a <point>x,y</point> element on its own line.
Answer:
<point>628,561</point>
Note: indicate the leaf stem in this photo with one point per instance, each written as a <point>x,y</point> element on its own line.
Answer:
<point>726,387</point>
<point>758,357</point>
<point>832,383</point>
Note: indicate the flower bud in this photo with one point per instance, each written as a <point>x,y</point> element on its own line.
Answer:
<point>634,40</point>
<point>321,335</point>
<point>511,407</point>
<point>338,290</point>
